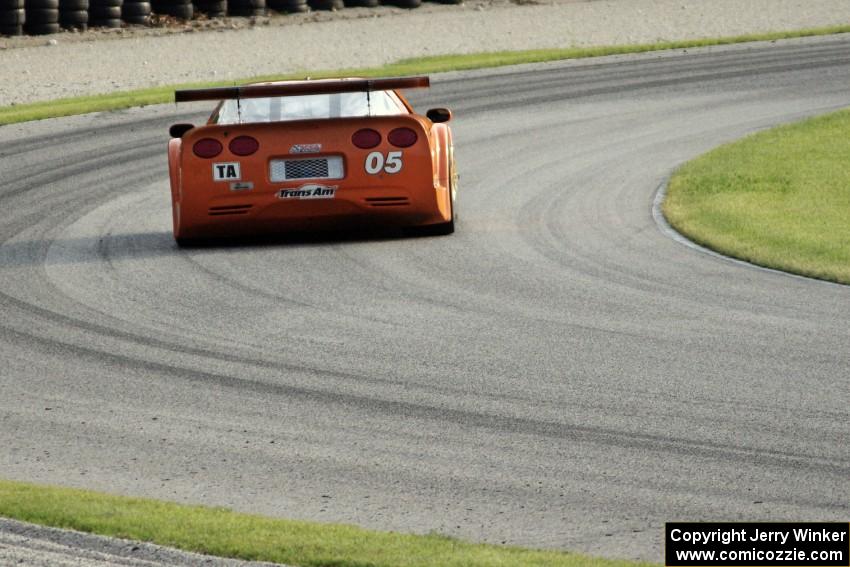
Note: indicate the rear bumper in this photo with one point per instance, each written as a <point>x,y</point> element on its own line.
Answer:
<point>252,212</point>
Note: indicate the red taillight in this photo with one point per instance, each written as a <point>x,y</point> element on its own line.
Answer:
<point>243,145</point>
<point>402,137</point>
<point>366,138</point>
<point>207,148</point>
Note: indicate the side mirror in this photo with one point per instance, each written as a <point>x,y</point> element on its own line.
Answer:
<point>439,115</point>
<point>177,130</point>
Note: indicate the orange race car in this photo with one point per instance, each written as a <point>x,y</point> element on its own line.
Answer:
<point>299,155</point>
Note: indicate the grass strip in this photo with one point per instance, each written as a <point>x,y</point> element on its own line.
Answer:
<point>419,65</point>
<point>221,532</point>
<point>779,198</point>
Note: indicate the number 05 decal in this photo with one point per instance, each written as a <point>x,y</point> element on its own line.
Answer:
<point>375,163</point>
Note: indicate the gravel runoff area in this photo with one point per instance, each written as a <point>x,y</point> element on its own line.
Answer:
<point>65,65</point>
<point>36,546</point>
<point>33,69</point>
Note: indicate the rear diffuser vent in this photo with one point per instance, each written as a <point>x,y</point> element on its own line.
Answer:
<point>229,210</point>
<point>388,201</point>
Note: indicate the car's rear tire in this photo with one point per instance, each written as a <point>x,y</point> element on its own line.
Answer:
<point>187,242</point>
<point>441,229</point>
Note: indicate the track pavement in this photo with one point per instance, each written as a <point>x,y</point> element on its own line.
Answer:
<point>558,373</point>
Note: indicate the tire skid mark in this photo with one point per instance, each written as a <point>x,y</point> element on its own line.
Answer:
<point>755,61</point>
<point>38,144</point>
<point>569,433</point>
<point>27,181</point>
<point>647,84</point>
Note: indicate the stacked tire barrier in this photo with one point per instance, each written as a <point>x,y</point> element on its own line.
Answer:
<point>42,17</point>
<point>182,9</point>
<point>288,6</point>
<point>12,17</point>
<point>247,7</point>
<point>362,3</point>
<point>212,8</point>
<point>325,4</point>
<point>38,17</point>
<point>104,13</point>
<point>136,12</point>
<point>404,3</point>
<point>74,14</point>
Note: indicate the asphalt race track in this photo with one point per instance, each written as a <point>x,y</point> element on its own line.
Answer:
<point>558,373</point>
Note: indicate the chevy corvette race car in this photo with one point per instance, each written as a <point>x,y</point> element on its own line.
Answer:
<point>300,155</point>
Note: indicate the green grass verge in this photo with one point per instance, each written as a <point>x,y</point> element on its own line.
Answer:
<point>217,531</point>
<point>780,198</point>
<point>420,65</point>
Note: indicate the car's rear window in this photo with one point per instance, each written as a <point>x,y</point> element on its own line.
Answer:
<point>306,107</point>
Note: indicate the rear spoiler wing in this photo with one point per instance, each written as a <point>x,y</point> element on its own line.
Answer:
<point>301,88</point>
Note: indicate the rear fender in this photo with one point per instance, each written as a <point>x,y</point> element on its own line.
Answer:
<point>174,167</point>
<point>441,138</point>
<point>174,177</point>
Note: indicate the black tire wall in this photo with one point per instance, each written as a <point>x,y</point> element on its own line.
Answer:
<point>288,6</point>
<point>182,9</point>
<point>136,12</point>
<point>12,17</point>
<point>74,14</point>
<point>246,7</point>
<point>41,17</point>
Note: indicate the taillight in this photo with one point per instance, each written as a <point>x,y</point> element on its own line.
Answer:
<point>207,148</point>
<point>366,138</point>
<point>402,137</point>
<point>243,145</point>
